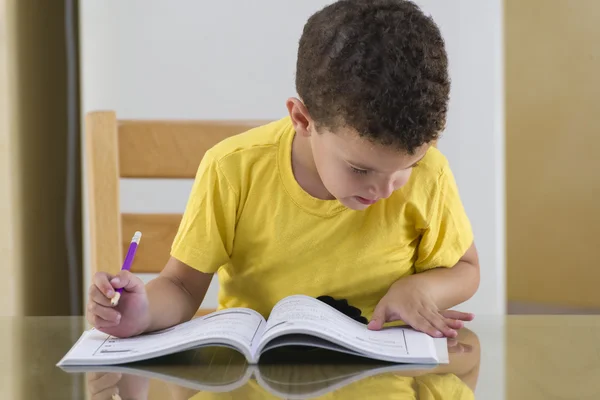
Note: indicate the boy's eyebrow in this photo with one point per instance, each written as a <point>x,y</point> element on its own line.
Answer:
<point>360,166</point>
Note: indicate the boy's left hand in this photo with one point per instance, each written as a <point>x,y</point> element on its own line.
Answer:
<point>409,301</point>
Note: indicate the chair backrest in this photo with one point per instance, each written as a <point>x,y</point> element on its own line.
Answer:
<point>117,149</point>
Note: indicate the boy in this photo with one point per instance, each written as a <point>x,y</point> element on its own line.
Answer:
<point>345,198</point>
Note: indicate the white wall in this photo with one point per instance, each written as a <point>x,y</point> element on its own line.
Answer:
<point>474,140</point>
<point>235,59</point>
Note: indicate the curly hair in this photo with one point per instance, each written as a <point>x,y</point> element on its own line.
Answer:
<point>378,66</point>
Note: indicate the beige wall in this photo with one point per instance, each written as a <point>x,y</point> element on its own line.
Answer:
<point>553,151</point>
<point>10,303</point>
<point>32,177</point>
<point>33,131</point>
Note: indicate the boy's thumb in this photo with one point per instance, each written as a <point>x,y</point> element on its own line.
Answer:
<point>378,318</point>
<point>128,282</point>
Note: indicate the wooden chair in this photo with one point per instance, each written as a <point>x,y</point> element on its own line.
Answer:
<point>117,149</point>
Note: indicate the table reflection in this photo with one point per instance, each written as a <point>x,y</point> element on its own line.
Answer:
<point>294,373</point>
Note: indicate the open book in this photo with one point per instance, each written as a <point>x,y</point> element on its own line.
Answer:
<point>285,374</point>
<point>294,321</point>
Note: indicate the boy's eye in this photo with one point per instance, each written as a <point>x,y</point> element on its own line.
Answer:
<point>358,171</point>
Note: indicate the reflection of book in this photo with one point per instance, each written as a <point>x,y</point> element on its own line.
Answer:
<point>294,321</point>
<point>288,373</point>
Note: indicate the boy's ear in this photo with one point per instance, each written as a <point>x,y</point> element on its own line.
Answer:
<point>300,116</point>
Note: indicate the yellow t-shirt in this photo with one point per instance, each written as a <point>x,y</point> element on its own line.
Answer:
<point>248,219</point>
<point>385,386</point>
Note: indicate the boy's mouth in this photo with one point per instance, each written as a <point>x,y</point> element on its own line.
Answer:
<point>365,201</point>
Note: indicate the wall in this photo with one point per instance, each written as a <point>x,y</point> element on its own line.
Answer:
<point>9,263</point>
<point>553,224</point>
<point>474,140</point>
<point>32,159</point>
<point>32,254</point>
<point>39,109</point>
<point>232,59</point>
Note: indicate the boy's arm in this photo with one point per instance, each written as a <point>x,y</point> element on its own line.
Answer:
<point>451,286</point>
<point>175,295</point>
<point>417,299</point>
<point>440,281</point>
<point>204,242</point>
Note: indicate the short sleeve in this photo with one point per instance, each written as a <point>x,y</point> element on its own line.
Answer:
<point>205,236</point>
<point>448,233</point>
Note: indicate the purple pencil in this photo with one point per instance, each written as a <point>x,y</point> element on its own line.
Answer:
<point>135,241</point>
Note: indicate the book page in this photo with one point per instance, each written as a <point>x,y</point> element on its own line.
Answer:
<point>235,327</point>
<point>306,315</point>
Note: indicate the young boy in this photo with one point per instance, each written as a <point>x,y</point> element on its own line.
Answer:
<point>345,197</point>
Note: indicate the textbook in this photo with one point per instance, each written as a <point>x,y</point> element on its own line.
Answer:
<point>296,320</point>
<point>289,374</point>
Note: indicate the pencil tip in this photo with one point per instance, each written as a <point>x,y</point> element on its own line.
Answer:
<point>115,299</point>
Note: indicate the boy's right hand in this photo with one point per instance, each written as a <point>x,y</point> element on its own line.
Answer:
<point>128,318</point>
<point>113,386</point>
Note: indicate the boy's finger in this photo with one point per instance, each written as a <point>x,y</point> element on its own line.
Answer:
<point>422,324</point>
<point>439,323</point>
<point>460,348</point>
<point>455,324</point>
<point>92,376</point>
<point>111,393</point>
<point>466,348</point>
<point>128,282</point>
<point>100,323</point>
<point>458,315</point>
<point>378,318</point>
<point>106,313</point>
<point>455,349</point>
<point>96,296</point>
<point>101,280</point>
<point>103,382</point>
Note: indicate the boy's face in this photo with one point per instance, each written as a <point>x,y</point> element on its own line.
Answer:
<point>358,172</point>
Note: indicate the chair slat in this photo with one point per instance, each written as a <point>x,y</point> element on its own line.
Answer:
<point>158,232</point>
<point>170,149</point>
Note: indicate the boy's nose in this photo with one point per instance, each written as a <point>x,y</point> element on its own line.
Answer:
<point>387,192</point>
<point>384,190</point>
